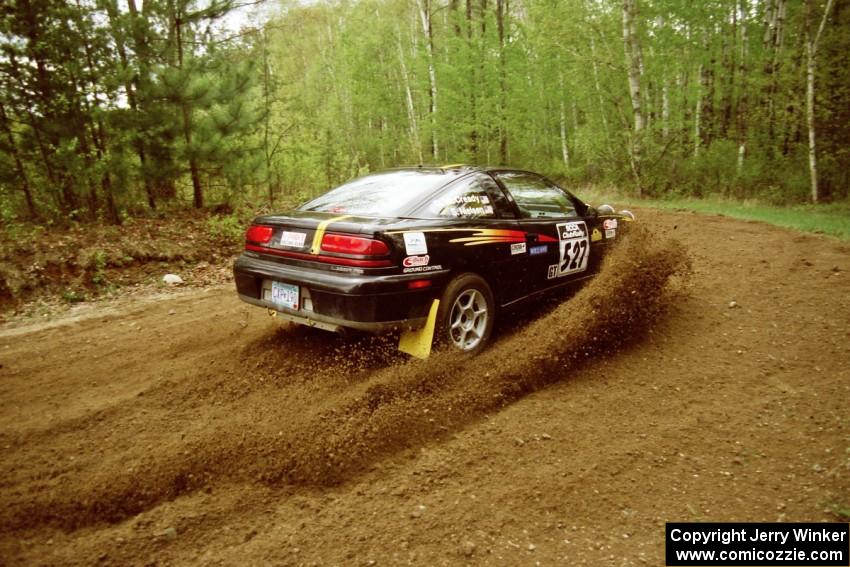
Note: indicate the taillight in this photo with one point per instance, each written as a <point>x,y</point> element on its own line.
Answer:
<point>345,244</point>
<point>259,234</point>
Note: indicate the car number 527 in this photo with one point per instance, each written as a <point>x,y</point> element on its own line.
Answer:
<point>575,254</point>
<point>574,248</point>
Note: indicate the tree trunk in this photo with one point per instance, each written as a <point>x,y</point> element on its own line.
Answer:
<point>665,108</point>
<point>603,112</point>
<point>186,113</point>
<point>682,80</point>
<point>729,54</point>
<point>473,135</point>
<point>98,134</point>
<point>565,153</point>
<point>631,44</point>
<point>267,153</point>
<point>142,81</point>
<point>82,123</point>
<point>743,101</point>
<point>425,15</point>
<point>501,11</point>
<point>13,149</point>
<point>411,109</point>
<point>794,115</point>
<point>118,36</point>
<point>706,81</point>
<point>698,114</point>
<point>811,67</point>
<point>772,44</point>
<point>43,94</point>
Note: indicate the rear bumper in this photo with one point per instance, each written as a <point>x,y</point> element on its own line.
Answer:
<point>372,303</point>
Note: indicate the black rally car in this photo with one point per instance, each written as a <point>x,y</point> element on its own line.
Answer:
<point>373,254</point>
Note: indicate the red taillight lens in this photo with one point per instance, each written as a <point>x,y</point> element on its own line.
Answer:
<point>345,244</point>
<point>259,234</point>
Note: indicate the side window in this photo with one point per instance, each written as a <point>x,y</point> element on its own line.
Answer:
<point>500,201</point>
<point>469,198</point>
<point>537,198</point>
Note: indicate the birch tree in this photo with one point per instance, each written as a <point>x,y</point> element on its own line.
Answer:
<point>632,46</point>
<point>426,15</point>
<point>812,41</point>
<point>408,99</point>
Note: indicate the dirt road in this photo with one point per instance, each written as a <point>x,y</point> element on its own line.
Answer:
<point>197,430</point>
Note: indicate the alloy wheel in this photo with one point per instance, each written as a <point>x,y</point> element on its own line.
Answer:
<point>468,319</point>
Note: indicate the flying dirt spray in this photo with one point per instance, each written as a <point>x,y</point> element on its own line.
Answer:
<point>411,403</point>
<point>380,405</point>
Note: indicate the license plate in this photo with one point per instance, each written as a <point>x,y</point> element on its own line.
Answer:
<point>285,295</point>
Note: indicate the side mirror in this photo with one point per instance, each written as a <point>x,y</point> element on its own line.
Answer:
<point>590,212</point>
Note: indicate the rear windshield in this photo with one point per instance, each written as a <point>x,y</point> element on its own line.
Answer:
<point>391,193</point>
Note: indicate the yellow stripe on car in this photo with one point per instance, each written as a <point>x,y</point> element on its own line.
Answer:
<point>320,233</point>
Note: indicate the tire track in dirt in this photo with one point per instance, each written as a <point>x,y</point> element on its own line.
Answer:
<point>177,433</point>
<point>276,416</point>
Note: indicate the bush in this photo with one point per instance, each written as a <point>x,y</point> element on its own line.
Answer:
<point>228,229</point>
<point>73,296</point>
<point>714,173</point>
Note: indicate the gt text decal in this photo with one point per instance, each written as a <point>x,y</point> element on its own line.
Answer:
<point>575,248</point>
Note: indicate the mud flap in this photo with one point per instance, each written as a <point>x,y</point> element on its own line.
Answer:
<point>418,343</point>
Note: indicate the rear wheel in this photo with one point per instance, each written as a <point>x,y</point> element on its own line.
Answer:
<point>466,315</point>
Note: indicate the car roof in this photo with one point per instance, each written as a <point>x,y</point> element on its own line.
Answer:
<point>435,168</point>
<point>455,167</point>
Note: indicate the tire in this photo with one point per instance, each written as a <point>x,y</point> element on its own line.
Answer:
<point>466,314</point>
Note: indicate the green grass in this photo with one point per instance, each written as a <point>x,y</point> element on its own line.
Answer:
<point>832,219</point>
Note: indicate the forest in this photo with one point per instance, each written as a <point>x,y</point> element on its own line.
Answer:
<point>111,109</point>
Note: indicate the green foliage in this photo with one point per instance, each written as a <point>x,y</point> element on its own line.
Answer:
<point>832,219</point>
<point>229,229</point>
<point>73,296</point>
<point>105,106</point>
<point>95,264</point>
<point>111,109</point>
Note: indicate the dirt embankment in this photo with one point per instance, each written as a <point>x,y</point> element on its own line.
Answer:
<point>49,267</point>
<point>198,430</point>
